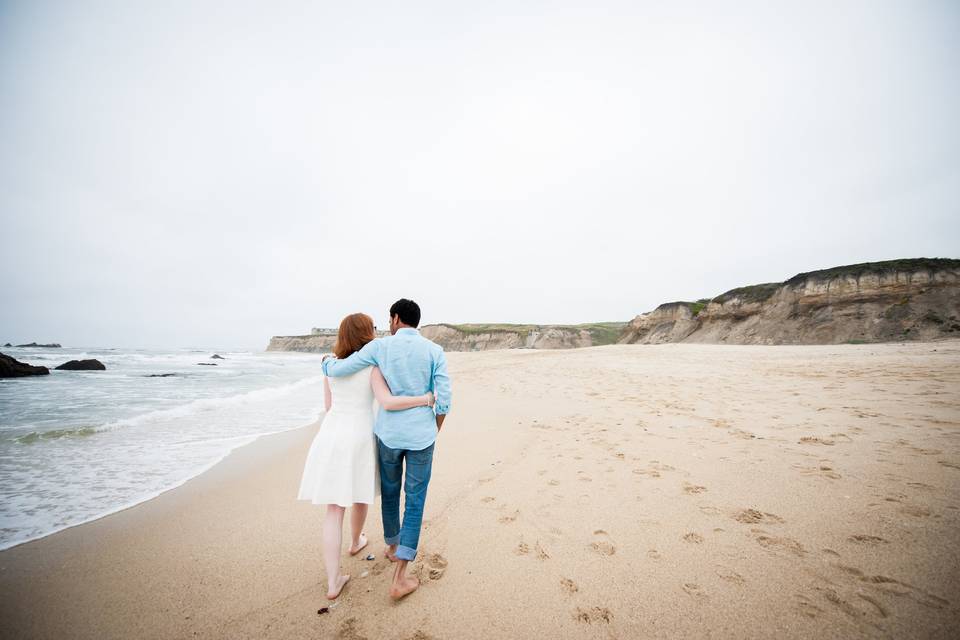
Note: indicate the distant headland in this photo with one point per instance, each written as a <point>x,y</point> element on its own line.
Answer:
<point>914,299</point>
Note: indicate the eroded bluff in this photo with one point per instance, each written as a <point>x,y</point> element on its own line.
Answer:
<point>874,302</point>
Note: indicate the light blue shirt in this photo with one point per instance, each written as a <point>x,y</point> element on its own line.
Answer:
<point>411,365</point>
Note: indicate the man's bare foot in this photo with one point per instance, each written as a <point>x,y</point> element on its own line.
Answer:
<point>390,552</point>
<point>332,595</point>
<point>363,542</point>
<point>404,587</point>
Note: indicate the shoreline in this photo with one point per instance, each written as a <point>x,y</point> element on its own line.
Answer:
<point>110,535</point>
<point>675,490</point>
<point>250,440</point>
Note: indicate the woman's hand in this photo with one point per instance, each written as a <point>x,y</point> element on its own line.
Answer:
<point>429,398</point>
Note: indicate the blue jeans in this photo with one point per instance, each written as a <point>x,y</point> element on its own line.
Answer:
<point>419,465</point>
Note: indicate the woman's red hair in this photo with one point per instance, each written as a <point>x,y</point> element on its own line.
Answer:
<point>355,331</point>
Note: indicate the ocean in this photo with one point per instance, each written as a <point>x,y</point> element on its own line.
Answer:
<point>77,445</point>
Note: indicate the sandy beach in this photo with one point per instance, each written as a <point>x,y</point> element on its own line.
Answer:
<point>615,492</point>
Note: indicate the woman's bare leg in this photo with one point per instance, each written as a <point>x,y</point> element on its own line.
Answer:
<point>358,515</point>
<point>332,540</point>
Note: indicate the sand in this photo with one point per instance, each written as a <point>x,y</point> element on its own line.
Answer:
<point>613,492</point>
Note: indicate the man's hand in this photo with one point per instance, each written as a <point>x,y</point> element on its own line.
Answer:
<point>440,417</point>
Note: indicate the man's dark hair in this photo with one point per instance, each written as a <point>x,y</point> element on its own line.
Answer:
<point>408,310</point>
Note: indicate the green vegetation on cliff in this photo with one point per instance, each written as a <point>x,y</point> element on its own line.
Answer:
<point>752,293</point>
<point>886,266</point>
<point>763,292</point>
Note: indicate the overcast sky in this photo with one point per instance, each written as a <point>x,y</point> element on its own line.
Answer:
<point>210,174</point>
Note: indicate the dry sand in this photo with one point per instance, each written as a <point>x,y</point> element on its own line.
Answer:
<point>613,492</point>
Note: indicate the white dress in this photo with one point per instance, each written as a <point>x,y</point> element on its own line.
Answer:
<point>341,466</point>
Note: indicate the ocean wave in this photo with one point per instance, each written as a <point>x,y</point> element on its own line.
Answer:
<point>35,436</point>
<point>212,404</point>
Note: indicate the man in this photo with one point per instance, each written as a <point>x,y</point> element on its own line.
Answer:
<point>411,365</point>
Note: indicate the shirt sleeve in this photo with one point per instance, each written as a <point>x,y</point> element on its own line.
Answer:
<point>365,357</point>
<point>441,385</point>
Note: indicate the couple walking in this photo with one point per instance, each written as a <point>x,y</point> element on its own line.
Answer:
<point>360,453</point>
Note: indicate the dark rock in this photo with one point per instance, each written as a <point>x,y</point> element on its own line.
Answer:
<point>52,345</point>
<point>13,368</point>
<point>217,357</point>
<point>159,375</point>
<point>207,364</point>
<point>82,365</point>
<point>8,345</point>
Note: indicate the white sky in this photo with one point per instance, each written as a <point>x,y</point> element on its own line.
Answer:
<point>200,173</point>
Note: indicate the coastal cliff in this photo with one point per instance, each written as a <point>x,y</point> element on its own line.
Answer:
<point>917,299</point>
<point>482,337</point>
<point>308,343</point>
<point>896,300</point>
<point>317,341</point>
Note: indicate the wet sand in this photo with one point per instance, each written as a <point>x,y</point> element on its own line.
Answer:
<point>615,492</point>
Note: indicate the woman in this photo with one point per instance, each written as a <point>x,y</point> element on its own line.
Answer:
<point>341,467</point>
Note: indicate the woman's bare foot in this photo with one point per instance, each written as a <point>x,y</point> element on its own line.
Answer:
<point>332,595</point>
<point>404,587</point>
<point>363,542</point>
<point>390,553</point>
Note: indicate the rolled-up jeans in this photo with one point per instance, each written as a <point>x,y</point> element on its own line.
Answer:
<point>417,477</point>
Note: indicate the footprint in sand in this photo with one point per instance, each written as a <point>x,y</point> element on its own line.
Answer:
<point>807,608</point>
<point>752,516</point>
<point>541,552</point>
<point>844,605</point>
<point>782,544</point>
<point>437,565</point>
<point>816,440</point>
<point>693,488</point>
<point>947,463</point>
<point>862,538</point>
<point>487,499</point>
<point>522,549</point>
<point>824,469</point>
<point>730,575</point>
<point>915,511</point>
<point>653,554</point>
<point>508,519</point>
<point>348,630</point>
<point>890,585</point>
<point>603,546</point>
<point>693,538</point>
<point>653,473</point>
<point>694,590</point>
<point>599,615</point>
<point>569,585</point>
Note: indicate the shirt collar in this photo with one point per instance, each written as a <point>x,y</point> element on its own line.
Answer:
<point>407,330</point>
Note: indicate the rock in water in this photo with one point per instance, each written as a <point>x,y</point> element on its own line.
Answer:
<point>8,345</point>
<point>82,365</point>
<point>207,364</point>
<point>52,345</point>
<point>217,357</point>
<point>12,368</point>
